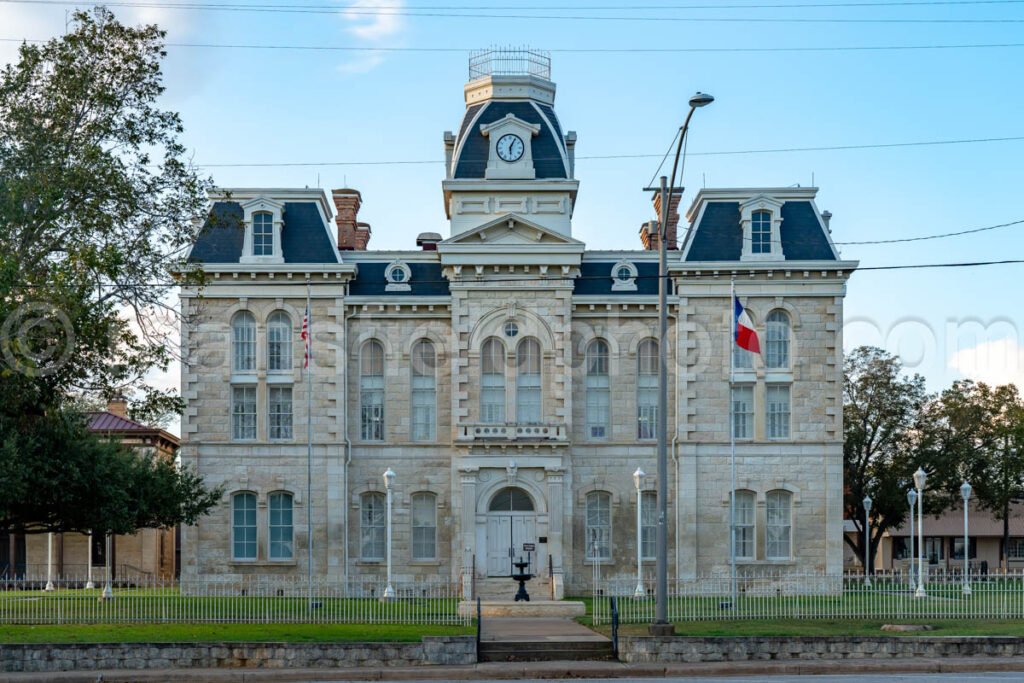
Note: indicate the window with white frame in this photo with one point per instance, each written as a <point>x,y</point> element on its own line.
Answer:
<point>934,548</point>
<point>776,346</point>
<point>778,525</point>
<point>279,412</point>
<point>528,392</point>
<point>279,342</point>
<point>761,232</point>
<point>624,275</point>
<point>743,411</point>
<point>599,525</point>
<point>492,382</point>
<point>1015,548</point>
<point>598,389</point>
<point>243,412</point>
<point>243,526</point>
<point>280,526</point>
<point>778,410</point>
<point>957,552</point>
<point>372,526</point>
<point>648,524</point>
<point>243,342</point>
<point>424,526</point>
<point>371,391</point>
<point>262,234</point>
<point>398,275</point>
<point>647,389</point>
<point>424,391</point>
<point>744,525</point>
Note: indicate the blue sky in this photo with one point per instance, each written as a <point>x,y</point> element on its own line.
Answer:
<point>244,106</point>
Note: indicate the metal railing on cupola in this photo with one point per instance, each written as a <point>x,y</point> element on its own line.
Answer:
<point>509,61</point>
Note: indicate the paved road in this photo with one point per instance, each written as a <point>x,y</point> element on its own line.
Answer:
<point>847,678</point>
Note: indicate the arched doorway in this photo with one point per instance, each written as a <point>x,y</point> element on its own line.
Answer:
<point>511,530</point>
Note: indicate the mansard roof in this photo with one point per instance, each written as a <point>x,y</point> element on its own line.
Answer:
<point>471,147</point>
<point>425,279</point>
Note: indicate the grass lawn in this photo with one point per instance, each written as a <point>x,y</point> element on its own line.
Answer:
<point>184,633</point>
<point>845,627</point>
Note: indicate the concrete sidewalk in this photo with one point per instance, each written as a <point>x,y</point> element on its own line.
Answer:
<point>546,670</point>
<point>509,629</point>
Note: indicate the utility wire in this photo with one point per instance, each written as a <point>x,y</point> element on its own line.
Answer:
<point>934,237</point>
<point>382,9</point>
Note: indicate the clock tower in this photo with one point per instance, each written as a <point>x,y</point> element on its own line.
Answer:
<point>510,155</point>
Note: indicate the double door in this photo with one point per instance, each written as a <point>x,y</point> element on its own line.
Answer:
<point>507,534</point>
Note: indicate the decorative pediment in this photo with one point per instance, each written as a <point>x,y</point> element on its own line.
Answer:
<point>510,230</point>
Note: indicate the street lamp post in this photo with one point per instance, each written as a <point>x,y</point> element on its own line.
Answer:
<point>108,593</point>
<point>49,561</point>
<point>912,500</point>
<point>389,482</point>
<point>965,493</point>
<point>638,481</point>
<point>88,565</point>
<point>661,624</point>
<point>920,478</point>
<point>867,538</point>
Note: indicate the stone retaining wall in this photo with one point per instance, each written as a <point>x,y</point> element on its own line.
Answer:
<point>722,649</point>
<point>446,650</point>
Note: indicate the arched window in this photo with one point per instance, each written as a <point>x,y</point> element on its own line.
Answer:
<point>424,526</point>
<point>511,499</point>
<point>371,391</point>
<point>778,525</point>
<point>262,234</point>
<point>492,382</point>
<point>647,389</point>
<point>598,536</point>
<point>281,526</point>
<point>279,341</point>
<point>761,232</point>
<point>243,342</point>
<point>776,348</point>
<point>528,394</point>
<point>648,524</point>
<point>372,525</point>
<point>424,391</point>
<point>744,525</point>
<point>598,389</point>
<point>243,526</point>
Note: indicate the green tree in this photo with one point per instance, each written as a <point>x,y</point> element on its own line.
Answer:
<point>882,410</point>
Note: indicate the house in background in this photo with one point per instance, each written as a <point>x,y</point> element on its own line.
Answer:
<point>146,553</point>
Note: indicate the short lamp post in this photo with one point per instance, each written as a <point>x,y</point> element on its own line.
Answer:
<point>965,493</point>
<point>389,483</point>
<point>638,482</point>
<point>920,479</point>
<point>867,539</point>
<point>912,501</point>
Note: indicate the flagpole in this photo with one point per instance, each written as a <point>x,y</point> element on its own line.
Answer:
<point>309,447</point>
<point>732,440</point>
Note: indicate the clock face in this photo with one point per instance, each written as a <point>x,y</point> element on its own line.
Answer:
<point>510,147</point>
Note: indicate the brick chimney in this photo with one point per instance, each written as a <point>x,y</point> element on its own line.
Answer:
<point>650,241</point>
<point>118,405</point>
<point>352,234</point>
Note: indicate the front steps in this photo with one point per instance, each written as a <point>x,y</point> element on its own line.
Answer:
<point>560,609</point>
<point>544,651</point>
<point>504,588</point>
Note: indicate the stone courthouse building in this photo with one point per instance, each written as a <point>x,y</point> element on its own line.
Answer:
<point>508,375</point>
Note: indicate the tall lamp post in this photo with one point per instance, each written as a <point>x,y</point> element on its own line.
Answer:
<point>965,493</point>
<point>389,483</point>
<point>920,478</point>
<point>661,625</point>
<point>867,538</point>
<point>49,561</point>
<point>638,481</point>
<point>912,500</point>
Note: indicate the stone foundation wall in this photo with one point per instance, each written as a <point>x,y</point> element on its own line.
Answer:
<point>443,650</point>
<point>676,649</point>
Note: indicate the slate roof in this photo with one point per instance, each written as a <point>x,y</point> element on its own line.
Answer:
<point>719,237</point>
<point>426,280</point>
<point>596,279</point>
<point>548,145</point>
<point>303,236</point>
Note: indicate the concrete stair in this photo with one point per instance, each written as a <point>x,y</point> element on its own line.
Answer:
<point>504,588</point>
<point>544,651</point>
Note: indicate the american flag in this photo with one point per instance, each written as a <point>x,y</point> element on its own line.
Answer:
<point>305,335</point>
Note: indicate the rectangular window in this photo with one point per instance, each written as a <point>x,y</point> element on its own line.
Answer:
<point>99,550</point>
<point>958,548</point>
<point>262,234</point>
<point>934,549</point>
<point>243,527</point>
<point>778,529</point>
<point>371,398</point>
<point>743,412</point>
<point>1015,548</point>
<point>424,392</point>
<point>599,526</point>
<point>281,526</point>
<point>777,396</point>
<point>280,412</point>
<point>528,396</point>
<point>424,526</point>
<point>648,524</point>
<point>761,232</point>
<point>243,413</point>
<point>744,525</point>
<point>598,407</point>
<point>741,358</point>
<point>372,527</point>
<point>647,406</point>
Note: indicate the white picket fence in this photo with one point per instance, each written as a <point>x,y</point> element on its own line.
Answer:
<point>816,596</point>
<point>252,600</point>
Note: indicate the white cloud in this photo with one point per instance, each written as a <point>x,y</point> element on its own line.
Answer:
<point>372,30</point>
<point>994,362</point>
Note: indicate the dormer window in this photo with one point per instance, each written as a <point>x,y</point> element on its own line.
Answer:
<point>263,219</point>
<point>624,276</point>
<point>398,275</point>
<point>761,222</point>
<point>263,234</point>
<point>761,232</point>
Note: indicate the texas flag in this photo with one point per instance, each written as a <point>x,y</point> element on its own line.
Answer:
<point>746,337</point>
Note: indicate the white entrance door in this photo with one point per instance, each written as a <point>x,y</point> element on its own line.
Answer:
<point>507,533</point>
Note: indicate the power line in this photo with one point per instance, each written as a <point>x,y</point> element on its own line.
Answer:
<point>363,11</point>
<point>934,237</point>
